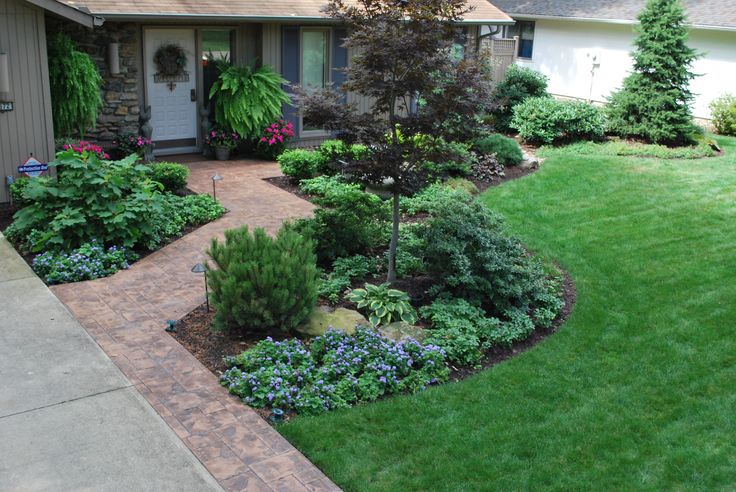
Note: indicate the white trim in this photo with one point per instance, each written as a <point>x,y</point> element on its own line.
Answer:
<point>177,150</point>
<point>609,21</point>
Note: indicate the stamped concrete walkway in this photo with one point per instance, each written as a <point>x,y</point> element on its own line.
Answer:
<point>126,315</point>
<point>69,420</point>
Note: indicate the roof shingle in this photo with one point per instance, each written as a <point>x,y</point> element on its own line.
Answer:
<point>712,13</point>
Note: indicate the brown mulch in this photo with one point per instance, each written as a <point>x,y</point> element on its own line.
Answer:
<point>6,215</point>
<point>194,331</point>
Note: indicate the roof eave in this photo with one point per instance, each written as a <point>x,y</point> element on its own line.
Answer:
<point>68,12</point>
<point>609,21</point>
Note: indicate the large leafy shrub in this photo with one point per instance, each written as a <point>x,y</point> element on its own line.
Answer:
<point>115,202</point>
<point>348,222</point>
<point>470,256</point>
<point>262,282</point>
<point>75,87</point>
<point>723,110</point>
<point>171,175</point>
<point>344,270</point>
<point>433,196</point>
<point>546,120</point>
<point>335,370</point>
<point>178,212</point>
<point>247,99</point>
<point>88,262</point>
<point>519,84</point>
<point>462,330</point>
<point>654,101</point>
<point>17,189</point>
<point>506,149</point>
<point>300,163</point>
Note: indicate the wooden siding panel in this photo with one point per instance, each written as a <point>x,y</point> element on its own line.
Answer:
<point>271,46</point>
<point>27,129</point>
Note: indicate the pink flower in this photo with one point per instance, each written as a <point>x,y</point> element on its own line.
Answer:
<point>264,139</point>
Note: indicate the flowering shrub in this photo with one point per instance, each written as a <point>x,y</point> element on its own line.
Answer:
<point>335,370</point>
<point>273,139</point>
<point>131,143</point>
<point>221,138</point>
<point>84,147</point>
<point>88,262</point>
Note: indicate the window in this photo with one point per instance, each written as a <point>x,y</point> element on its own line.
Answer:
<point>216,47</point>
<point>525,31</point>
<point>314,63</point>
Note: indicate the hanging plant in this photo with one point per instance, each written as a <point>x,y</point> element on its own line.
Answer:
<point>75,87</point>
<point>170,59</point>
<point>248,99</point>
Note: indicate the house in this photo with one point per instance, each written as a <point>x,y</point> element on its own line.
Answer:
<point>25,100</point>
<point>583,46</point>
<point>293,37</point>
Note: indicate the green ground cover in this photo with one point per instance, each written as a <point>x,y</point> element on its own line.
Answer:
<point>636,391</point>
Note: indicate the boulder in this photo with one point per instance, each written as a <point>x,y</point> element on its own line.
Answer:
<point>339,319</point>
<point>401,330</point>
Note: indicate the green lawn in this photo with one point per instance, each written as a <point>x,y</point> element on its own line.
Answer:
<point>636,391</point>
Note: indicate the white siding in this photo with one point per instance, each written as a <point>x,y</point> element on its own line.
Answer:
<point>563,51</point>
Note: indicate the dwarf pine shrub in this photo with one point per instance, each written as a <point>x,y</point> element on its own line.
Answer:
<point>262,282</point>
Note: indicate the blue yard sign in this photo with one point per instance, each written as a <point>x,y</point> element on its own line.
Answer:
<point>33,168</point>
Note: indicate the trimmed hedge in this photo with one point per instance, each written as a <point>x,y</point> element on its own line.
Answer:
<point>171,175</point>
<point>300,163</point>
<point>506,149</point>
<point>547,120</point>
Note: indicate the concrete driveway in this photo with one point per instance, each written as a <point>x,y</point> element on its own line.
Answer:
<point>69,419</point>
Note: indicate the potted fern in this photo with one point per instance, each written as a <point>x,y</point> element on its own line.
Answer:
<point>247,99</point>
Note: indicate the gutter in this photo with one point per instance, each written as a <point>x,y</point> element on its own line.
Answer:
<point>599,20</point>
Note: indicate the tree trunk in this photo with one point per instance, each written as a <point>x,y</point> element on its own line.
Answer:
<point>394,239</point>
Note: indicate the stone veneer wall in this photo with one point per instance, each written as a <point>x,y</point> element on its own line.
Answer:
<point>119,113</point>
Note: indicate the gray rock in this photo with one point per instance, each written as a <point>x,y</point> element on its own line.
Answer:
<point>340,319</point>
<point>401,330</point>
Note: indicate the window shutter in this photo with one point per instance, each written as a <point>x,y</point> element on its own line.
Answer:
<point>290,69</point>
<point>339,57</point>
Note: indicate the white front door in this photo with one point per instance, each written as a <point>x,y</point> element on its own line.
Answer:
<point>172,98</point>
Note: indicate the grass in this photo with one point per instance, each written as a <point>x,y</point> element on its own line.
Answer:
<point>637,149</point>
<point>636,392</point>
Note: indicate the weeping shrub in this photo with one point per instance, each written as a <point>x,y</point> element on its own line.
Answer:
<point>75,87</point>
<point>262,282</point>
<point>247,99</point>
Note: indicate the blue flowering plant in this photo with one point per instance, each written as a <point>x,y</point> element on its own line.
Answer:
<point>335,370</point>
<point>87,262</point>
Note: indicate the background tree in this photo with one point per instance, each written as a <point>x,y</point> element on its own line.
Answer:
<point>404,51</point>
<point>75,87</point>
<point>654,102</point>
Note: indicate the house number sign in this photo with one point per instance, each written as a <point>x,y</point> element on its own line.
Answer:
<point>6,106</point>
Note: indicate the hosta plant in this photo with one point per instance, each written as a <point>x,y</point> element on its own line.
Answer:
<point>384,304</point>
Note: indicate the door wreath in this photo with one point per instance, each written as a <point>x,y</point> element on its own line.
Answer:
<point>170,59</point>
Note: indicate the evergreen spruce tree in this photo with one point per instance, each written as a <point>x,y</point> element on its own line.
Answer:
<point>654,102</point>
